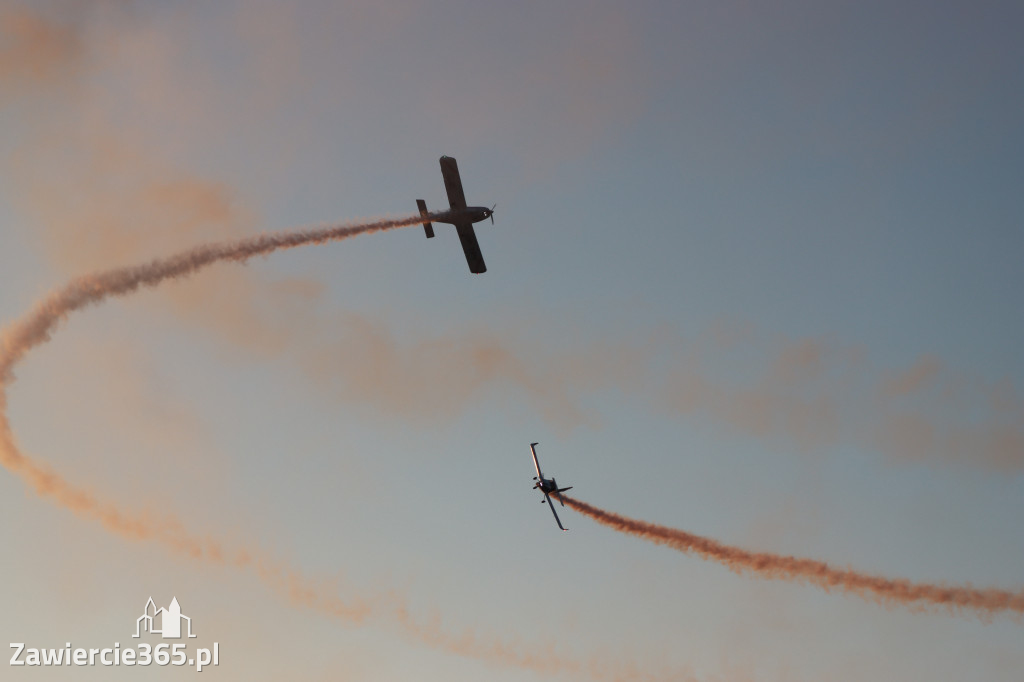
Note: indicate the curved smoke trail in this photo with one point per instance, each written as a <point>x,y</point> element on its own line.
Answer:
<point>36,327</point>
<point>917,596</point>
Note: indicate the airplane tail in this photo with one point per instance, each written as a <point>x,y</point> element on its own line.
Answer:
<point>428,227</point>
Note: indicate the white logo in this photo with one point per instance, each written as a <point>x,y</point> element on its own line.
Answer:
<point>163,622</point>
<point>168,620</point>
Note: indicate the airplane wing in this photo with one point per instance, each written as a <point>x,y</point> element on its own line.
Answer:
<point>453,185</point>
<point>467,236</point>
<point>552,507</point>
<point>536,464</point>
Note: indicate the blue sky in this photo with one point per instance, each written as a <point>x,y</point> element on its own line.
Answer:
<point>754,273</point>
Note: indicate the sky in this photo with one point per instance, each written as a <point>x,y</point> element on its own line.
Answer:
<point>754,274</point>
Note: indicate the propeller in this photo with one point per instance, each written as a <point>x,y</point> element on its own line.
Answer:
<point>492,213</point>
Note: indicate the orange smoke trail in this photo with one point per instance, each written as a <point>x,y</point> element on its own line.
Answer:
<point>986,602</point>
<point>35,328</point>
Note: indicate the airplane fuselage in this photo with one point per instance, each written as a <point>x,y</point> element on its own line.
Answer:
<point>470,214</point>
<point>547,485</point>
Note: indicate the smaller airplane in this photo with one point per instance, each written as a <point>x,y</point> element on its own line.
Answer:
<point>548,486</point>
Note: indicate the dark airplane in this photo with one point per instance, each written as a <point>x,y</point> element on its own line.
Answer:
<point>548,486</point>
<point>460,215</point>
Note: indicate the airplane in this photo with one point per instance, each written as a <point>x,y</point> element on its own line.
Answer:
<point>548,486</point>
<point>460,215</point>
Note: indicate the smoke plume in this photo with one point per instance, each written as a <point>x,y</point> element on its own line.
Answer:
<point>892,592</point>
<point>35,328</point>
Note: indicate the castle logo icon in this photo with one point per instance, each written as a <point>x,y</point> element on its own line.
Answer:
<point>163,622</point>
